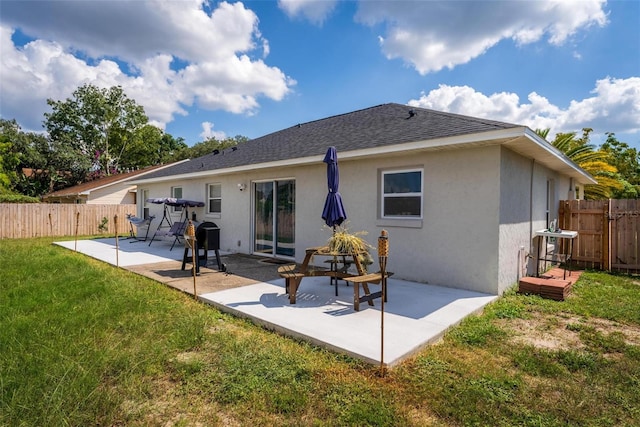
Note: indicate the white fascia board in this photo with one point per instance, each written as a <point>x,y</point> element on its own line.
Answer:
<point>133,180</point>
<point>228,171</point>
<point>541,143</point>
<point>137,180</point>
<point>107,185</point>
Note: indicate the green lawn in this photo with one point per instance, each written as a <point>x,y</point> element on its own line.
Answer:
<point>84,343</point>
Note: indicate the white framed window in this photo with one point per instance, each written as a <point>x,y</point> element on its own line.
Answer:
<point>176,193</point>
<point>550,213</point>
<point>214,199</point>
<point>145,205</point>
<point>402,194</point>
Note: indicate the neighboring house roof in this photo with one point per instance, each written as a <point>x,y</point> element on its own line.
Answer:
<point>87,187</point>
<point>379,130</point>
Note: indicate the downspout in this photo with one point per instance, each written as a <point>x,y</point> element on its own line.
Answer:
<point>531,244</point>
<point>531,248</point>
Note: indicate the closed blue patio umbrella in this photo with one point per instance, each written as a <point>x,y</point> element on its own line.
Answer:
<point>333,212</point>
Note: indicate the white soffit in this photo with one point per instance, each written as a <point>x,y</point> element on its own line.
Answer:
<point>532,146</point>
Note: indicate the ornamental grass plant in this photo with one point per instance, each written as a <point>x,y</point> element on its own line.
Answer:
<point>342,241</point>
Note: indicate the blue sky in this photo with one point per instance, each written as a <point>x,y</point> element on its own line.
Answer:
<point>208,68</point>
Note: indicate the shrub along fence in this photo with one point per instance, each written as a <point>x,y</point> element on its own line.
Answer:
<point>607,233</point>
<point>25,220</point>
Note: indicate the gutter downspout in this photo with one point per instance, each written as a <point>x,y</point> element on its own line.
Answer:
<point>531,244</point>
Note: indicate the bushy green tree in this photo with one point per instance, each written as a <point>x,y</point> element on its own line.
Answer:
<point>35,169</point>
<point>208,146</point>
<point>627,162</point>
<point>9,153</point>
<point>95,127</point>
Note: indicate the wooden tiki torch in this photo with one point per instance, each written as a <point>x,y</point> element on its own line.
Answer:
<point>383,254</point>
<point>115,224</point>
<point>191,241</point>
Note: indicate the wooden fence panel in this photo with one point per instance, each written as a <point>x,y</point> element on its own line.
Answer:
<point>624,216</point>
<point>26,220</point>
<point>588,218</point>
<point>608,232</point>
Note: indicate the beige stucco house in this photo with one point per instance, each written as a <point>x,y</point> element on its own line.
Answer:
<point>459,196</point>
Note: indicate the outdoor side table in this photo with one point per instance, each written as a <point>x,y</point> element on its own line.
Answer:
<point>544,236</point>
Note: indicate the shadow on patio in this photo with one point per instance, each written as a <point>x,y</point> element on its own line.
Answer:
<point>415,315</point>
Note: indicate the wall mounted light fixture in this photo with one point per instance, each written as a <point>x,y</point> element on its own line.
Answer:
<point>241,187</point>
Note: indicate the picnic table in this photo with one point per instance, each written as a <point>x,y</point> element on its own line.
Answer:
<point>340,263</point>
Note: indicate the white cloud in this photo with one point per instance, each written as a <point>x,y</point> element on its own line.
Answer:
<point>614,106</point>
<point>181,55</point>
<point>432,35</point>
<point>315,11</point>
<point>208,132</point>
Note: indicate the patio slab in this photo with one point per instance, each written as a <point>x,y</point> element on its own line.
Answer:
<point>415,315</point>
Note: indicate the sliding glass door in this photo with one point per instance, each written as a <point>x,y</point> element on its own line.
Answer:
<point>274,217</point>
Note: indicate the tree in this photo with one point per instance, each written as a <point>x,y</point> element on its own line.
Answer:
<point>95,127</point>
<point>595,162</point>
<point>142,148</point>
<point>9,155</point>
<point>168,148</point>
<point>627,162</point>
<point>32,152</point>
<point>208,146</point>
<point>41,165</point>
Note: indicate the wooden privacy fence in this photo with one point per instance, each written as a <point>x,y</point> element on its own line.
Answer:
<point>25,220</point>
<point>607,233</point>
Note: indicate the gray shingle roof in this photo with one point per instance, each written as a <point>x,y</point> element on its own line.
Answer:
<point>378,126</point>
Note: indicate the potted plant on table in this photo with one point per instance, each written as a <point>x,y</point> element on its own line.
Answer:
<point>344,242</point>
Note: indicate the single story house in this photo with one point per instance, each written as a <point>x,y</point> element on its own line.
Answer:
<point>460,197</point>
<point>115,189</point>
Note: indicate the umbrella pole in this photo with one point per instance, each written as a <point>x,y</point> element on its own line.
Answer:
<point>383,254</point>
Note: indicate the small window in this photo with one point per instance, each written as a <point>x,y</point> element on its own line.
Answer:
<point>402,194</point>
<point>214,199</point>
<point>176,193</point>
<point>145,204</point>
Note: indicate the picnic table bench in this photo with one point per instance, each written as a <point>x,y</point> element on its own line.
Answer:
<point>293,275</point>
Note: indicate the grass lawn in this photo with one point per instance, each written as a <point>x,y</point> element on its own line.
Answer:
<point>84,343</point>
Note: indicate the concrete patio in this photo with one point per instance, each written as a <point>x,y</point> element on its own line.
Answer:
<point>415,315</point>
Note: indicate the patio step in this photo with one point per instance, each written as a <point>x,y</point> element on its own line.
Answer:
<point>556,289</point>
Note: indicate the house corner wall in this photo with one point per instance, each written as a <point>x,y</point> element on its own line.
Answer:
<point>455,244</point>
<point>523,210</point>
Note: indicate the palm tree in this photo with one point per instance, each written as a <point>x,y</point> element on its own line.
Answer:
<point>595,162</point>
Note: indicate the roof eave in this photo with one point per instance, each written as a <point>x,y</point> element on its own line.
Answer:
<point>519,139</point>
<point>532,145</point>
<point>228,171</point>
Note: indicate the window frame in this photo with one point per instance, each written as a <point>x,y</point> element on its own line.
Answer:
<point>384,196</point>
<point>209,199</point>
<point>173,194</point>
<point>144,194</point>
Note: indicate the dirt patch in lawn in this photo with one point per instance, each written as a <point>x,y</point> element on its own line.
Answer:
<point>555,332</point>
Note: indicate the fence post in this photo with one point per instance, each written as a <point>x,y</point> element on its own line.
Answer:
<point>606,236</point>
